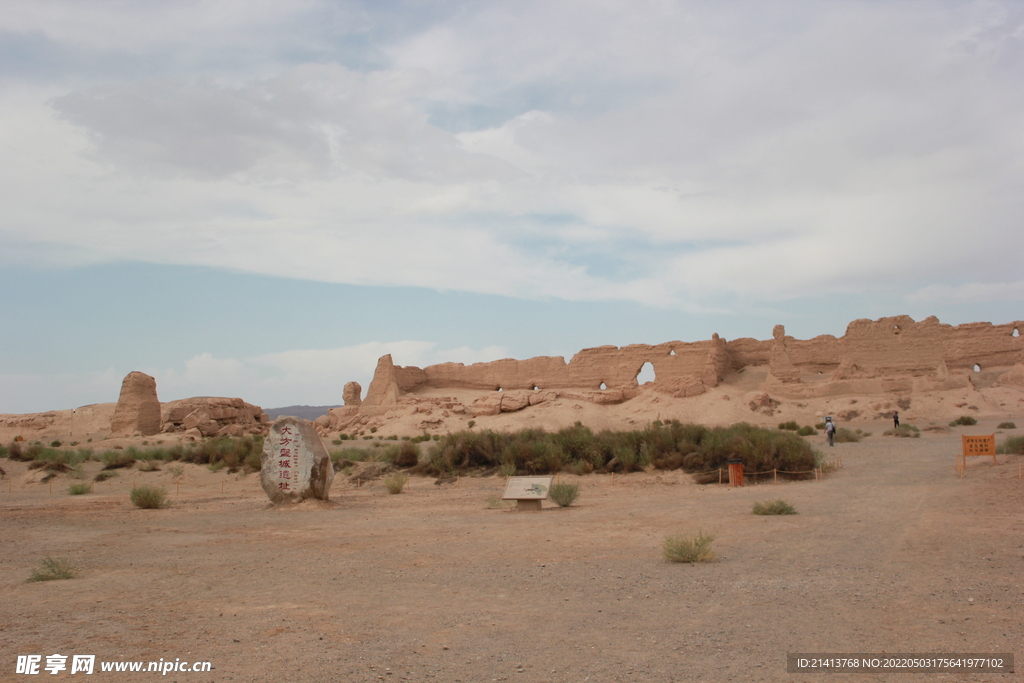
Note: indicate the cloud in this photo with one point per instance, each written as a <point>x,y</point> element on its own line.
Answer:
<point>303,376</point>
<point>671,154</point>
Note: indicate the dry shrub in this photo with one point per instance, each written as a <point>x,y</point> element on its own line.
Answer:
<point>148,497</point>
<point>53,570</point>
<point>775,507</point>
<point>564,494</point>
<point>396,481</point>
<point>689,548</point>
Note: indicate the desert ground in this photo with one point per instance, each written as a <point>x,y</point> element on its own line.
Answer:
<point>892,552</point>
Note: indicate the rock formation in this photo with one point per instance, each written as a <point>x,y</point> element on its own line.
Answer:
<point>138,408</point>
<point>213,416</point>
<point>295,465</point>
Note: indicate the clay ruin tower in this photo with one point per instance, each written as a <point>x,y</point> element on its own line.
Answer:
<point>138,409</point>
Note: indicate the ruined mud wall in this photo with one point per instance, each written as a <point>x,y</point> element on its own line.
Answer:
<point>888,354</point>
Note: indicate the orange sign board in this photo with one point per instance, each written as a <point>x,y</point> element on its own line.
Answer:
<point>979,445</point>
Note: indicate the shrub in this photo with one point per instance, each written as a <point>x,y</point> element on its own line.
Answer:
<point>494,503</point>
<point>807,430</point>
<point>471,423</point>
<point>904,431</point>
<point>148,497</point>
<point>343,437</point>
<point>1006,425</point>
<point>79,489</point>
<point>408,455</point>
<point>113,460</point>
<point>819,425</point>
<point>396,481</point>
<point>693,548</point>
<point>963,420</point>
<point>148,466</point>
<point>336,442</point>
<point>564,494</point>
<point>775,507</point>
<point>844,435</point>
<point>176,470</point>
<point>55,444</point>
<point>790,426</point>
<point>103,476</point>
<point>54,570</point>
<point>1014,445</point>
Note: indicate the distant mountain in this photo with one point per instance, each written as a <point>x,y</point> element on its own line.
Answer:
<point>305,412</point>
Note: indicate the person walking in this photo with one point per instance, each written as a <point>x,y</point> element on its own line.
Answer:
<point>830,431</point>
<point>896,420</point>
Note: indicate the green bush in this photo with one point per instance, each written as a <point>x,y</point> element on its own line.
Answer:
<point>53,570</point>
<point>564,494</point>
<point>577,449</point>
<point>904,431</point>
<point>148,497</point>
<point>1013,445</point>
<point>775,507</point>
<point>396,481</point>
<point>408,455</point>
<point>844,435</point>
<point>692,548</point>
<point>963,420</point>
<point>807,430</point>
<point>790,426</point>
<point>1007,425</point>
<point>79,489</point>
<point>103,476</point>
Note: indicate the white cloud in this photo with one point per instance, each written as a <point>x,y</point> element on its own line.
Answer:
<point>303,376</point>
<point>665,153</point>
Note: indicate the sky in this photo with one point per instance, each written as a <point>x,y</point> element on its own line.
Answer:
<point>261,198</point>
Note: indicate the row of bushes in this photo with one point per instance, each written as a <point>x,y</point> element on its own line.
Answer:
<point>667,446</point>
<point>224,451</point>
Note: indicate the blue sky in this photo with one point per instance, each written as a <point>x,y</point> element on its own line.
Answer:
<point>259,199</point>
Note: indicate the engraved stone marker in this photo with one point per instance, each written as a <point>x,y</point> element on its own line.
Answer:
<point>295,465</point>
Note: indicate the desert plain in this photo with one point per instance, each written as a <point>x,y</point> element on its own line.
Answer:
<point>891,552</point>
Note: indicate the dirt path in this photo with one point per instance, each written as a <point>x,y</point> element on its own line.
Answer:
<point>890,553</point>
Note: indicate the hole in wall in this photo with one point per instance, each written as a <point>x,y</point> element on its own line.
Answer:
<point>671,352</point>
<point>977,368</point>
<point>603,386</point>
<point>645,374</point>
<point>1016,332</point>
<point>895,329</point>
<point>536,388</point>
<point>499,389</point>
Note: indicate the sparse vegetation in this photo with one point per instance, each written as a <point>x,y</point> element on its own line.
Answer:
<point>844,435</point>
<point>807,430</point>
<point>495,503</point>
<point>396,481</point>
<point>148,466</point>
<point>53,570</point>
<point>103,476</point>
<point>790,426</point>
<point>1007,425</point>
<point>904,431</point>
<point>689,548</point>
<point>564,494</point>
<point>963,420</point>
<point>79,489</point>
<point>148,497</point>
<point>774,507</point>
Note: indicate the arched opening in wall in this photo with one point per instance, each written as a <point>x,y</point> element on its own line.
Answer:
<point>603,386</point>
<point>977,368</point>
<point>1016,332</point>
<point>499,389</point>
<point>671,352</point>
<point>896,329</point>
<point>645,374</point>
<point>536,388</point>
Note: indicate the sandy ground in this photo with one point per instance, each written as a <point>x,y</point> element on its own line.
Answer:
<point>891,553</point>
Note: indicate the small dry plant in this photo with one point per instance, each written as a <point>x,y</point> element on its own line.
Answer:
<point>564,494</point>
<point>396,481</point>
<point>148,497</point>
<point>53,570</point>
<point>774,507</point>
<point>496,503</point>
<point>689,548</point>
<point>79,489</point>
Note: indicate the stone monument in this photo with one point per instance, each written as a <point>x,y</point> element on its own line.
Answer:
<point>295,465</point>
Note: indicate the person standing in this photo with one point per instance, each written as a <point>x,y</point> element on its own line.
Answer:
<point>830,431</point>
<point>896,420</point>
